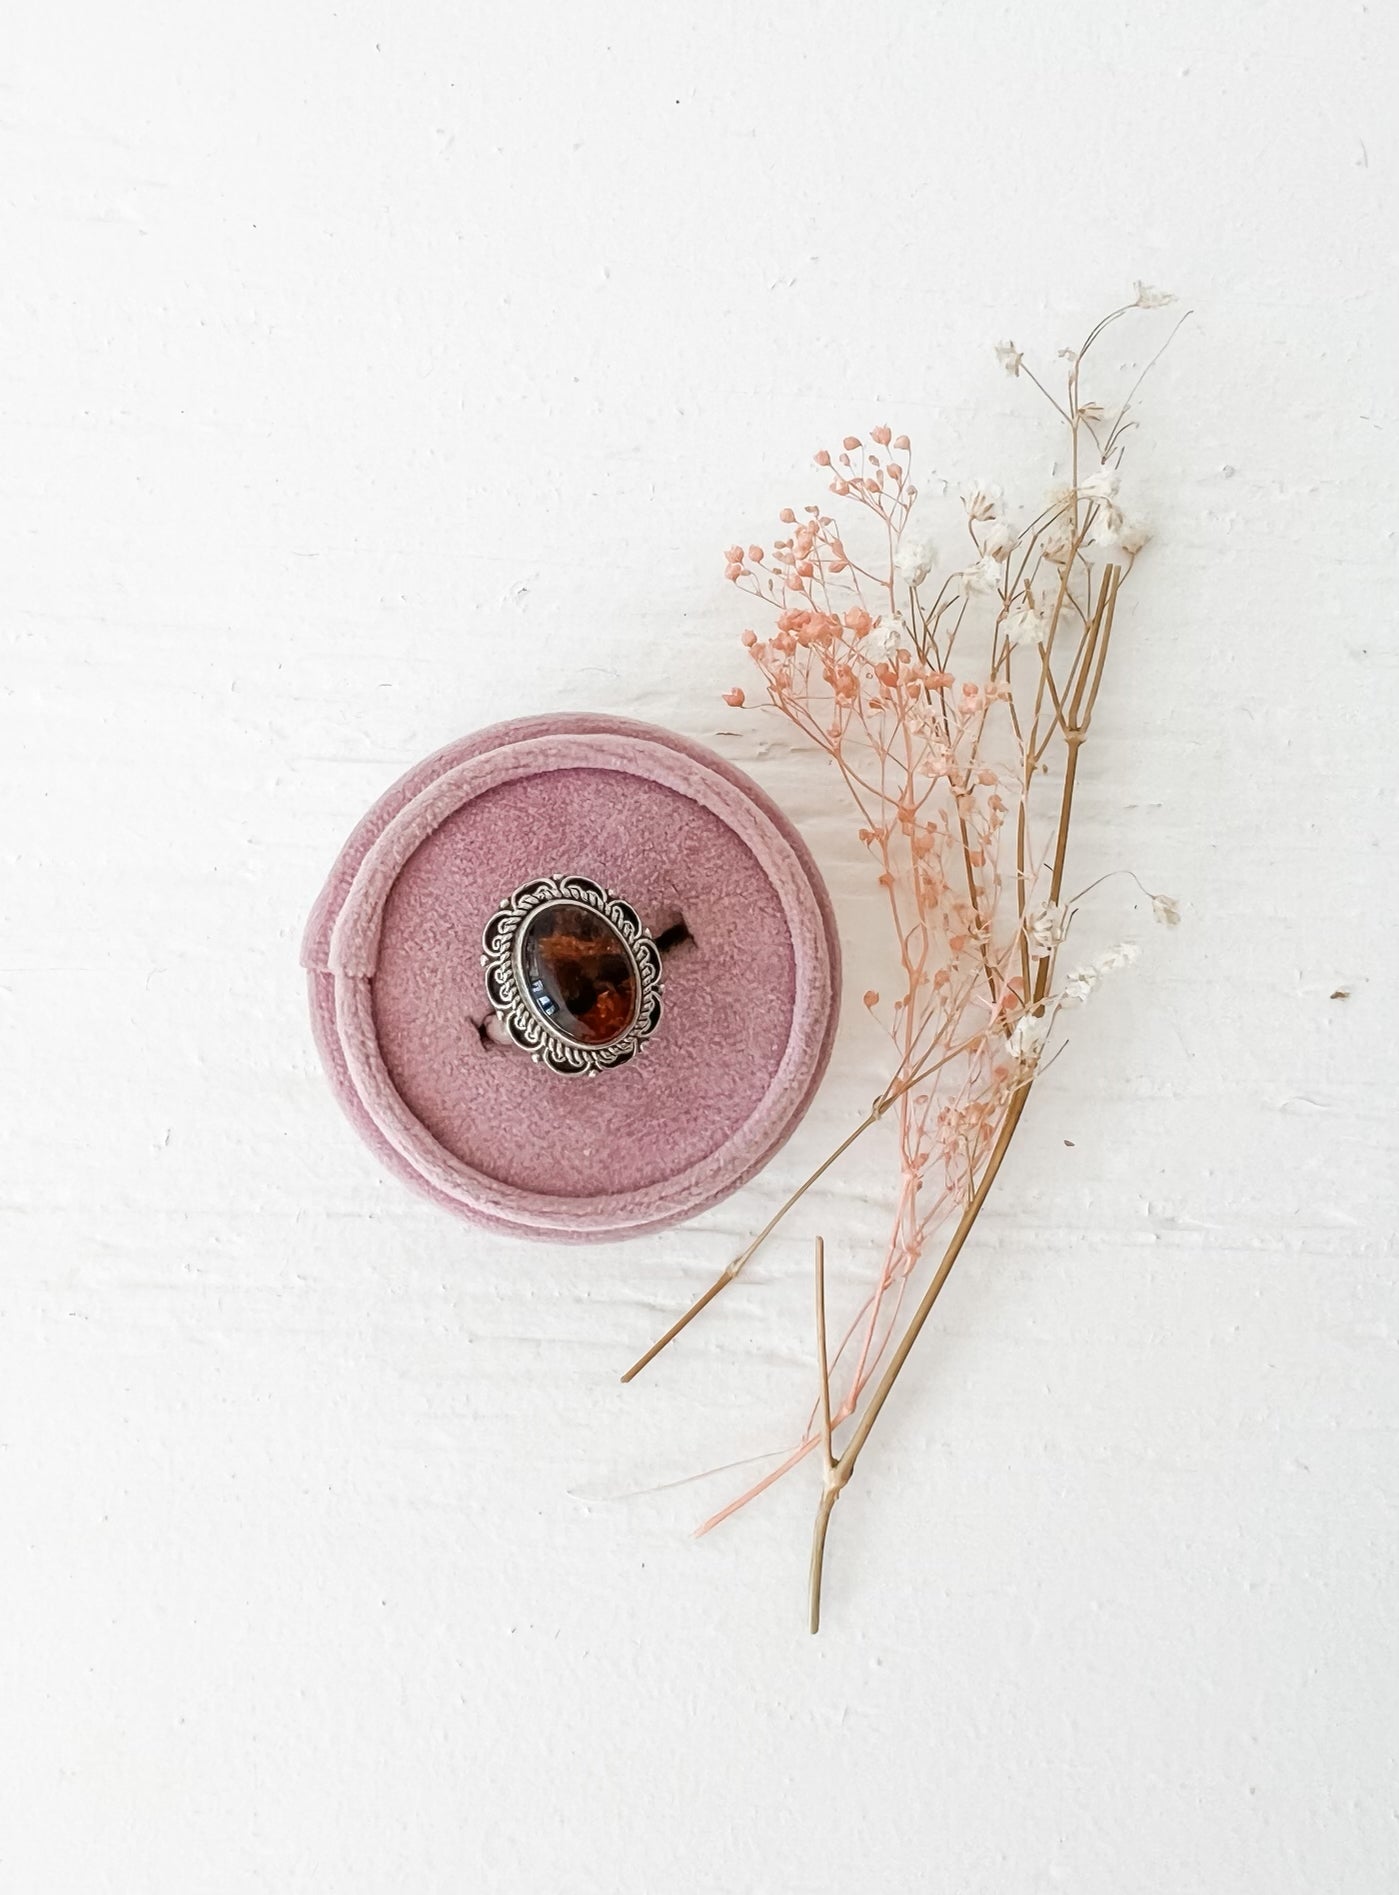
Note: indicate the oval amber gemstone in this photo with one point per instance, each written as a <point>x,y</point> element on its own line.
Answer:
<point>578,973</point>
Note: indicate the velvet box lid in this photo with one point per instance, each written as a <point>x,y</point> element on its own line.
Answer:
<point>399,1006</point>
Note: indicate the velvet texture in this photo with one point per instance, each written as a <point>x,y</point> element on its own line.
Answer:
<point>399,1005</point>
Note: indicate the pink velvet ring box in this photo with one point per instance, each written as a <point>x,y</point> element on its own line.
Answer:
<point>403,1023</point>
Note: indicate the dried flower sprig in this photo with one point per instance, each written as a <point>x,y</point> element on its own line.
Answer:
<point>955,699</point>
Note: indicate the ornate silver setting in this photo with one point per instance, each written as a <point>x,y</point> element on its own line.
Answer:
<point>531,1016</point>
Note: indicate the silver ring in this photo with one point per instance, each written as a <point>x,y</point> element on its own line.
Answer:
<point>572,974</point>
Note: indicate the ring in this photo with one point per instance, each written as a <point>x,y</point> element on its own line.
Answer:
<point>572,974</point>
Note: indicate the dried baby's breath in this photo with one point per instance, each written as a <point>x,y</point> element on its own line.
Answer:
<point>955,702</point>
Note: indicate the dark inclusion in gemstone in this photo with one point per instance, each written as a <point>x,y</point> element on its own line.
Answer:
<point>578,973</point>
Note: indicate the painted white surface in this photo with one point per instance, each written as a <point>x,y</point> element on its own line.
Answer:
<point>374,372</point>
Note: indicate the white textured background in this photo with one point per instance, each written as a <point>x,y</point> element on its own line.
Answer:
<point>373,372</point>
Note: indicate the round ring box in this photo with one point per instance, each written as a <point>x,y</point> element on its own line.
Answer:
<point>398,997</point>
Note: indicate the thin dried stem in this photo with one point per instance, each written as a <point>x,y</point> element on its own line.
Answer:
<point>822,1358</point>
<point>839,1474</point>
<point>896,1090</point>
<point>731,1270</point>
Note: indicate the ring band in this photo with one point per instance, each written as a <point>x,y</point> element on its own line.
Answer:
<point>572,974</point>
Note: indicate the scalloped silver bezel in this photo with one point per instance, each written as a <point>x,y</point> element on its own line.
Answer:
<point>529,1028</point>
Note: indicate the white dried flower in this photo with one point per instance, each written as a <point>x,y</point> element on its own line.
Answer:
<point>1107,523</point>
<point>1113,531</point>
<point>1026,626</point>
<point>1102,484</point>
<point>983,577</point>
<point>1080,984</point>
<point>982,499</point>
<point>1166,910</point>
<point>1045,929</point>
<point>1000,540</point>
<point>1009,357</point>
<point>1025,1041</point>
<point>1149,298</point>
<point>886,637</point>
<point>914,560</point>
<point>1058,544</point>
